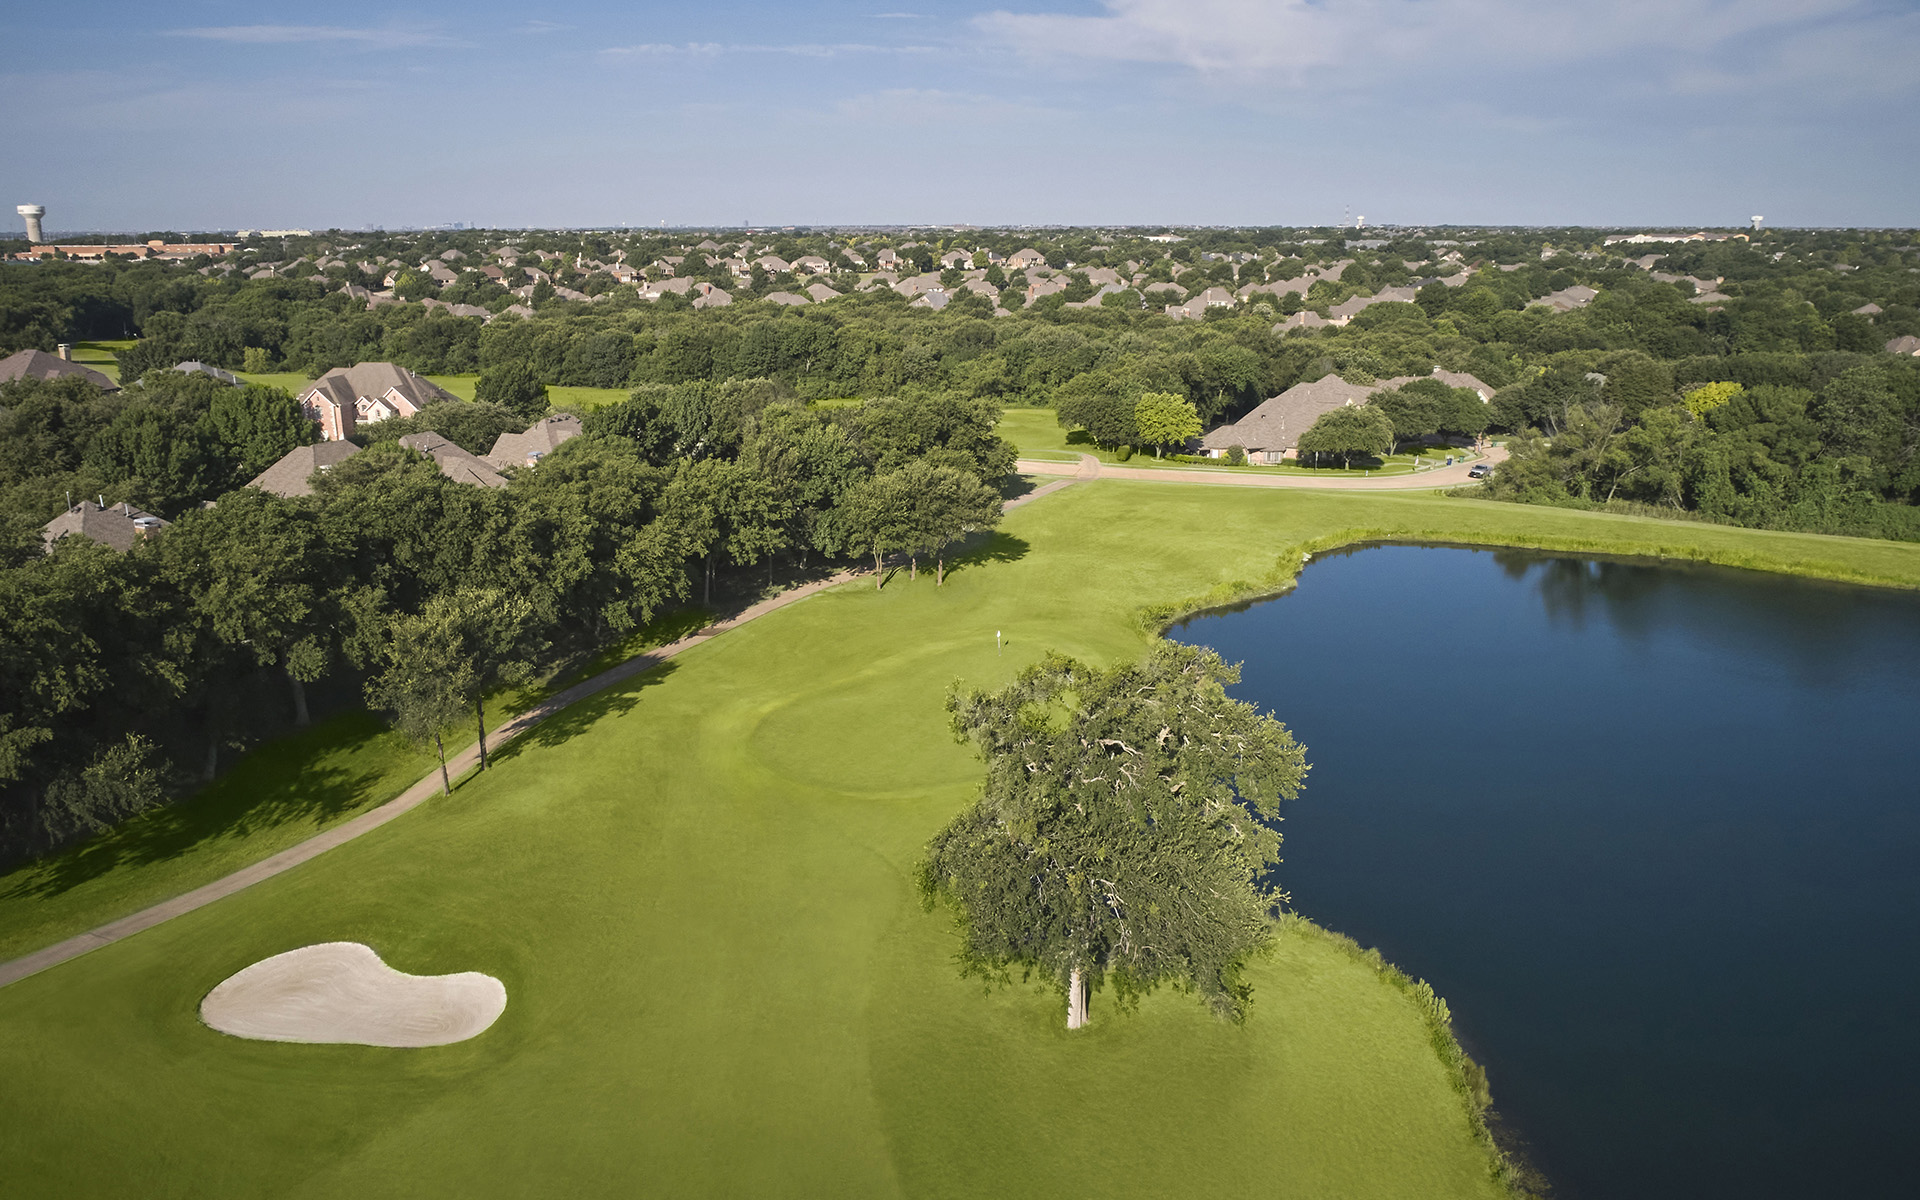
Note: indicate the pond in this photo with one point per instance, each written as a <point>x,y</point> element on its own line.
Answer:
<point>1653,831</point>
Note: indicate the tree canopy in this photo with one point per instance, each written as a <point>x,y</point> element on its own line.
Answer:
<point>1126,830</point>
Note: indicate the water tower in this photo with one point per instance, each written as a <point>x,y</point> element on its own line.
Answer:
<point>33,213</point>
<point>1756,223</point>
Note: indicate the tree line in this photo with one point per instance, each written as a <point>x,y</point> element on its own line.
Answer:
<point>126,678</point>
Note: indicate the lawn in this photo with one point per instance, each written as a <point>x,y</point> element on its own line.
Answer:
<point>100,356</point>
<point>1038,435</point>
<point>697,891</point>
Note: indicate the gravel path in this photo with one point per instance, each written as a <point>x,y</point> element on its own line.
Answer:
<point>1090,467</point>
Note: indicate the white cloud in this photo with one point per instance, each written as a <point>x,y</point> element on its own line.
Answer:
<point>1285,41</point>
<point>274,35</point>
<point>797,49</point>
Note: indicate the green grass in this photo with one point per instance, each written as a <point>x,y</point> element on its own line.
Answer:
<point>696,888</point>
<point>1038,435</point>
<point>100,356</point>
<point>585,399</point>
<point>273,798</point>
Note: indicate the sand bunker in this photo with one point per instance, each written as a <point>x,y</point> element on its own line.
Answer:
<point>342,992</point>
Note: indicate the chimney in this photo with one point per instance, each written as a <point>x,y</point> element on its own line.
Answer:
<point>65,350</point>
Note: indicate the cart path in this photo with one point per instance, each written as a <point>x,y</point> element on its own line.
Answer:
<point>1090,467</point>
<point>31,964</point>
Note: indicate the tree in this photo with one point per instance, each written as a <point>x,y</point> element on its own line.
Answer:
<point>720,507</point>
<point>1165,419</point>
<point>258,425</point>
<point>947,504</point>
<point>876,515</point>
<point>515,387</point>
<point>1125,831</point>
<point>1350,431</point>
<point>441,662</point>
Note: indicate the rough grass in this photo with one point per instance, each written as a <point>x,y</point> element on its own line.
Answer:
<point>697,890</point>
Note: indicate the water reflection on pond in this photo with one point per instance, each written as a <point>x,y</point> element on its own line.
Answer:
<point>1652,830</point>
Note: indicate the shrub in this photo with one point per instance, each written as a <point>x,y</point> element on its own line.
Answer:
<point>1123,453</point>
<point>1236,456</point>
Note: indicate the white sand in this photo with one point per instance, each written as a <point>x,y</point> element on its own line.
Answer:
<point>342,992</point>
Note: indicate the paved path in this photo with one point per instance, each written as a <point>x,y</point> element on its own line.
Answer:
<point>408,800</point>
<point>1090,467</point>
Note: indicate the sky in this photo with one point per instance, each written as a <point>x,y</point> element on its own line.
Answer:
<point>207,114</point>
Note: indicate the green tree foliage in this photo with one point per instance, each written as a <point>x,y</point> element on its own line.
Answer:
<point>1165,419</point>
<point>947,505</point>
<point>1125,831</point>
<point>1349,432</point>
<point>514,387</point>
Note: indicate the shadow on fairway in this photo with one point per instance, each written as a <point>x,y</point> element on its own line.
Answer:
<point>987,547</point>
<point>563,726</point>
<point>310,776</point>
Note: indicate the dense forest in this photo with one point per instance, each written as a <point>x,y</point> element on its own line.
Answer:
<point>1754,379</point>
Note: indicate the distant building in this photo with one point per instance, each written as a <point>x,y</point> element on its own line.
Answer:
<point>153,249</point>
<point>195,367</point>
<point>293,475</point>
<point>347,397</point>
<point>1271,432</point>
<point>1907,344</point>
<point>38,364</point>
<point>117,526</point>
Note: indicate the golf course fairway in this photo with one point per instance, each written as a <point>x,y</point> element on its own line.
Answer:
<point>696,890</point>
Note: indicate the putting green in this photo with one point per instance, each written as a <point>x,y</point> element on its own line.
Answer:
<point>696,889</point>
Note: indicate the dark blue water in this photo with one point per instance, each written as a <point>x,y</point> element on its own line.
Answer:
<point>1654,832</point>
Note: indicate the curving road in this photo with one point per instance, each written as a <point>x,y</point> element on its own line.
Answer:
<point>1090,467</point>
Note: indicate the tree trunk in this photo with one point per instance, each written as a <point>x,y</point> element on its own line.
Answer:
<point>213,759</point>
<point>940,569</point>
<point>877,576</point>
<point>913,566</point>
<point>300,714</point>
<point>1077,999</point>
<point>445,782</point>
<point>480,718</point>
<point>708,599</point>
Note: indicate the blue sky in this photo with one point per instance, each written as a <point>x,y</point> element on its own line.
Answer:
<point>208,114</point>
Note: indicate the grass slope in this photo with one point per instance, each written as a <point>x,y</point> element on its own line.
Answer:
<point>696,890</point>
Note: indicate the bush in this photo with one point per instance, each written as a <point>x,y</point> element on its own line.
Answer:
<point>1123,453</point>
<point>1236,456</point>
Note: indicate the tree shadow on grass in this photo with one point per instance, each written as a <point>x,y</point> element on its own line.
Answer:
<point>987,546</point>
<point>616,700</point>
<point>313,775</point>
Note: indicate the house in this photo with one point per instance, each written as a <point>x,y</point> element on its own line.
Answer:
<point>1271,432</point>
<point>455,463</point>
<point>293,475</point>
<point>1044,287</point>
<point>654,289</point>
<point>542,438</point>
<point>1569,298</point>
<point>1907,344</point>
<point>347,397</point>
<point>1868,310</point>
<point>116,526</point>
<point>812,264</point>
<point>38,364</point>
<point>820,293</point>
<point>195,367</point>
<point>1022,259</point>
<point>1194,309</point>
<point>889,260</point>
<point>955,258</point>
<point>787,298</point>
<point>772,264</point>
<point>935,299</point>
<point>709,296</point>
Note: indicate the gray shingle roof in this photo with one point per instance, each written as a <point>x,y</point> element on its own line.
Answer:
<point>455,463</point>
<point>540,439</point>
<point>293,474</point>
<point>38,364</point>
<point>117,526</point>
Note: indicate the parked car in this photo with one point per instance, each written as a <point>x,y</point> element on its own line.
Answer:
<point>1480,471</point>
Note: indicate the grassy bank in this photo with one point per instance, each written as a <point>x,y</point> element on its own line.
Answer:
<point>697,891</point>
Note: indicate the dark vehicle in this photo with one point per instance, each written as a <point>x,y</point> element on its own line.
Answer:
<point>1480,471</point>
